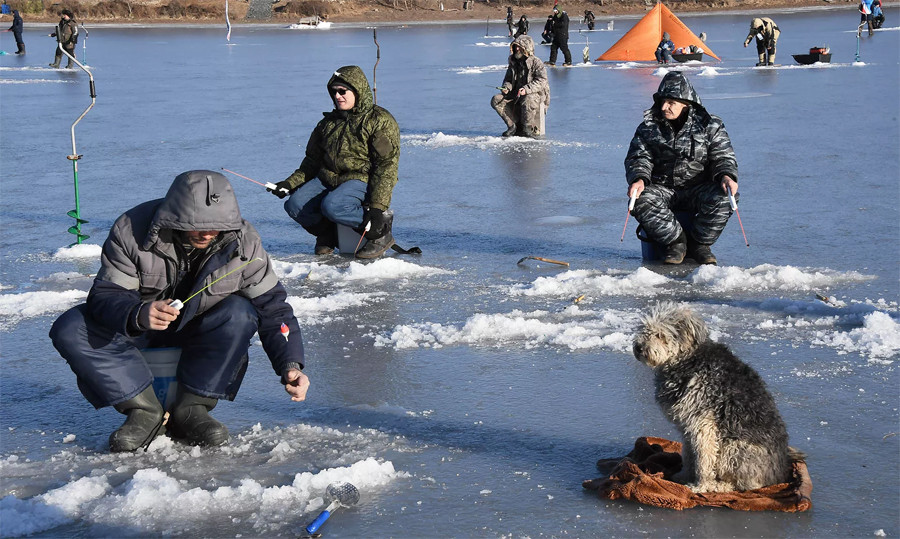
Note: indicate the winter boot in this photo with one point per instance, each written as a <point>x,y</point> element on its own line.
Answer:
<point>771,61</point>
<point>54,66</point>
<point>144,423</point>
<point>701,253</point>
<point>327,241</point>
<point>510,132</point>
<point>676,250</point>
<point>377,247</point>
<point>191,422</point>
<point>762,60</point>
<point>21,48</point>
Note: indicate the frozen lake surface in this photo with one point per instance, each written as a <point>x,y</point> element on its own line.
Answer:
<point>464,395</point>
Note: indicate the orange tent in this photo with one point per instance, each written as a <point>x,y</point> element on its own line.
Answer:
<point>639,44</point>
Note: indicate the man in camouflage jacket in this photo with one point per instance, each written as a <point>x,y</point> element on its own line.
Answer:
<point>681,159</point>
<point>66,34</point>
<point>349,171</point>
<point>525,89</point>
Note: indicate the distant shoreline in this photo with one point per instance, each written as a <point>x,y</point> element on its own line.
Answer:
<point>489,15</point>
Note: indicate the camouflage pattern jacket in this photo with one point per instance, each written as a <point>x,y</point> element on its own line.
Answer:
<point>360,144</point>
<point>699,152</point>
<point>528,72</point>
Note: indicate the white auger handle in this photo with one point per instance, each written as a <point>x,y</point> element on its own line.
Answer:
<point>273,187</point>
<point>176,304</point>
<point>631,203</point>
<point>731,199</point>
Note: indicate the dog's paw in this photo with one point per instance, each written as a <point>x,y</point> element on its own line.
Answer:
<point>710,486</point>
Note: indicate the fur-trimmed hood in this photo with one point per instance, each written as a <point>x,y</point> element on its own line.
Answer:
<point>525,43</point>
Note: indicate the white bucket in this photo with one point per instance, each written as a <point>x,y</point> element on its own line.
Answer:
<point>348,239</point>
<point>163,363</point>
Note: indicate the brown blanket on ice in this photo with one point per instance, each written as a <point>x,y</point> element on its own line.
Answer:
<point>643,475</point>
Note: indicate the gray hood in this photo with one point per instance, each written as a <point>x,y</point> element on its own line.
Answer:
<point>676,86</point>
<point>197,200</point>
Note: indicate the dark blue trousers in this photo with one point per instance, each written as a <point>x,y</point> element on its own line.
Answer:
<point>111,369</point>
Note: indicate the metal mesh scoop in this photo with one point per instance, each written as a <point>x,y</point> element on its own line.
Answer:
<point>343,493</point>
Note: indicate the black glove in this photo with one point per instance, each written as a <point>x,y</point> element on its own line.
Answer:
<point>376,217</point>
<point>283,184</point>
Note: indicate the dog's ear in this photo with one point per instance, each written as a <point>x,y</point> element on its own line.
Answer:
<point>692,327</point>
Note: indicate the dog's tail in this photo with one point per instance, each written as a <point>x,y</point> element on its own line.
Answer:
<point>796,455</point>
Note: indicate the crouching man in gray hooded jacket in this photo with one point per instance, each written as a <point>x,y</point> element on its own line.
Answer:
<point>192,246</point>
<point>524,91</point>
<point>681,159</point>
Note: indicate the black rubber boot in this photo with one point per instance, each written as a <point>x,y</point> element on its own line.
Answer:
<point>326,235</point>
<point>144,423</point>
<point>54,66</point>
<point>377,247</point>
<point>190,420</point>
<point>676,250</point>
<point>510,132</point>
<point>701,253</point>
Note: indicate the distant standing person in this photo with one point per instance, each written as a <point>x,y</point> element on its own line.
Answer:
<point>524,91</point>
<point>560,37</point>
<point>509,20</point>
<point>16,29</point>
<point>865,15</point>
<point>589,19</point>
<point>66,34</point>
<point>766,33</point>
<point>522,26</point>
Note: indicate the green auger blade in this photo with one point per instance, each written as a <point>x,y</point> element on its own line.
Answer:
<point>74,215</point>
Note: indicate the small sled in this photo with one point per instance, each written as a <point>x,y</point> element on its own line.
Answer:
<point>698,56</point>
<point>816,54</point>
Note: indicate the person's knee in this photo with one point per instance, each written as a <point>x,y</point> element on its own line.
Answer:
<point>68,331</point>
<point>299,210</point>
<point>496,100</point>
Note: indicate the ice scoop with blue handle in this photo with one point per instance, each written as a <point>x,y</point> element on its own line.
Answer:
<point>340,495</point>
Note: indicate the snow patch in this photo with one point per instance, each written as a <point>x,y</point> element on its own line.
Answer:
<point>878,338</point>
<point>49,510</point>
<point>610,329</point>
<point>82,250</point>
<point>36,81</point>
<point>477,70</point>
<point>30,304</point>
<point>383,268</point>
<point>494,44</point>
<point>641,282</point>
<point>708,72</point>
<point>771,277</point>
<point>314,310</point>
<point>62,277</point>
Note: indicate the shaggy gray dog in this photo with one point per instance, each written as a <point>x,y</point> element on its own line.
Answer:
<point>734,437</point>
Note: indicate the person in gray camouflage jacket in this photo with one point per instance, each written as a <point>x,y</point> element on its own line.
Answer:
<point>681,159</point>
<point>525,89</point>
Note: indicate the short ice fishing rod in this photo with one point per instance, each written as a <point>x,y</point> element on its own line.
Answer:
<point>268,185</point>
<point>628,213</point>
<point>76,213</point>
<point>374,69</point>
<point>735,208</point>
<point>178,304</point>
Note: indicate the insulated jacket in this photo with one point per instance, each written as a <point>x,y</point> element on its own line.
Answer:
<point>561,27</point>
<point>765,27</point>
<point>17,24</point>
<point>522,26</point>
<point>528,72</point>
<point>360,144</point>
<point>699,152</point>
<point>140,263</point>
<point>66,33</point>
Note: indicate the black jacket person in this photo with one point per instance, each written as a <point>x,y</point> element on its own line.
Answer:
<point>350,168</point>
<point>191,243</point>
<point>16,28</point>
<point>560,37</point>
<point>681,159</point>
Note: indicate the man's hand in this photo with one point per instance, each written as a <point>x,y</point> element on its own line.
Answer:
<point>157,316</point>
<point>283,184</point>
<point>728,182</point>
<point>745,44</point>
<point>635,189</point>
<point>522,92</point>
<point>504,91</point>
<point>296,384</point>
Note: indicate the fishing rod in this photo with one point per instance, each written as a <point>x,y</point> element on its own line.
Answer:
<point>734,207</point>
<point>267,185</point>
<point>628,214</point>
<point>76,213</point>
<point>377,59</point>
<point>487,27</point>
<point>178,304</point>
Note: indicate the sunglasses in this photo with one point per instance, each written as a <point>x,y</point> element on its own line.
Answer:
<point>339,91</point>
